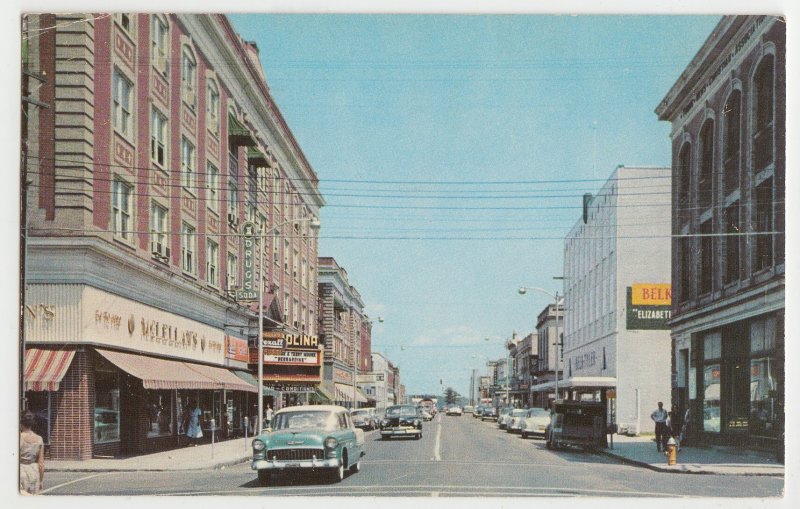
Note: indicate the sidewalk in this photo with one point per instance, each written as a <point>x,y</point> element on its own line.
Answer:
<point>719,460</point>
<point>205,456</point>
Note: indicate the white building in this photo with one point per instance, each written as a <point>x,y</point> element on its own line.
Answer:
<point>377,387</point>
<point>617,297</point>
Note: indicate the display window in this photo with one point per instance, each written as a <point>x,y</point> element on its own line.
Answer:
<point>39,406</point>
<point>106,407</point>
<point>160,413</point>
<point>711,398</point>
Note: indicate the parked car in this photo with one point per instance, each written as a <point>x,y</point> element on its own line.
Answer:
<point>426,416</point>
<point>504,417</point>
<point>576,423</point>
<point>364,418</point>
<point>478,411</point>
<point>535,422</point>
<point>313,437</point>
<point>455,410</point>
<point>469,409</point>
<point>489,413</point>
<point>514,420</point>
<point>401,420</point>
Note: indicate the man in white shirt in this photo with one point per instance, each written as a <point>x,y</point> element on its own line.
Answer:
<point>659,416</point>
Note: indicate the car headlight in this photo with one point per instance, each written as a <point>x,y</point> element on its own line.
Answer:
<point>258,445</point>
<point>384,423</point>
<point>331,443</point>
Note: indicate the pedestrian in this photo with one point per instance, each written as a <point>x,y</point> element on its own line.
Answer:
<point>194,431</point>
<point>31,458</point>
<point>660,416</point>
<point>268,416</point>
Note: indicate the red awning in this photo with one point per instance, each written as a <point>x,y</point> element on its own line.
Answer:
<point>158,373</point>
<point>44,368</point>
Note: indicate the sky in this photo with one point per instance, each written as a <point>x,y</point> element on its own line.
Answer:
<point>453,150</point>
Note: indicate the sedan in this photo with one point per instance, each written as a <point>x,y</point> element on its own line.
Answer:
<point>455,410</point>
<point>504,417</point>
<point>489,413</point>
<point>364,418</point>
<point>535,423</point>
<point>514,423</point>
<point>401,420</point>
<point>309,438</point>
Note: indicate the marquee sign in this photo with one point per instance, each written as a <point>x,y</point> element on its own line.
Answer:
<point>290,357</point>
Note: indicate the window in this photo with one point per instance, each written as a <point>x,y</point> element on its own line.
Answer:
<point>304,273</point>
<point>122,209</point>
<point>212,107</point>
<point>212,185</point>
<point>763,225</point>
<point>158,138</point>
<point>705,188</point>
<point>706,275</point>
<point>188,248</point>
<point>189,77</point>
<point>159,44</point>
<point>123,92</point>
<point>276,256</point>
<point>296,266</point>
<point>212,262</point>
<point>187,164</point>
<point>764,115</point>
<point>233,199</point>
<point>686,268</point>
<point>731,143</point>
<point>106,407</point>
<point>158,230</point>
<point>733,243</point>
<point>233,270</point>
<point>286,256</point>
<point>159,413</point>
<point>684,172</point>
<point>124,21</point>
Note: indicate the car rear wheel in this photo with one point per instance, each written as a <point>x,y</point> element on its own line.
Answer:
<point>264,477</point>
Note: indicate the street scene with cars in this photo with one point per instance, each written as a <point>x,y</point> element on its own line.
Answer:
<point>412,255</point>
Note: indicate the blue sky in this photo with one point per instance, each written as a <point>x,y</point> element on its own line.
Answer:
<point>465,118</point>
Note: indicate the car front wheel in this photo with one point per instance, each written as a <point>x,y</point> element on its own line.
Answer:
<point>337,474</point>
<point>356,467</point>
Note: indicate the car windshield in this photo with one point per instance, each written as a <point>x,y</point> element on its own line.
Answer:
<point>307,419</point>
<point>539,412</point>
<point>519,413</point>
<point>505,411</point>
<point>401,411</point>
<point>359,413</point>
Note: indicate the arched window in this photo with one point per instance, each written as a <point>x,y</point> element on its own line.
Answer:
<point>212,106</point>
<point>764,115</point>
<point>189,77</point>
<point>159,47</point>
<point>705,171</point>
<point>731,142</point>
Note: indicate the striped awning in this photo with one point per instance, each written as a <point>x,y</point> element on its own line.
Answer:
<point>45,368</point>
<point>158,373</point>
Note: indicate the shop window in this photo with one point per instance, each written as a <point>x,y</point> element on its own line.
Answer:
<point>39,406</point>
<point>711,398</point>
<point>106,407</point>
<point>763,394</point>
<point>159,413</point>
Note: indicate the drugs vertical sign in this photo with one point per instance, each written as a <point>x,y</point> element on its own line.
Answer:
<point>248,291</point>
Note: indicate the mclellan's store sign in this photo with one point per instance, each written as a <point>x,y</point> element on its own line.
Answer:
<point>649,306</point>
<point>84,315</point>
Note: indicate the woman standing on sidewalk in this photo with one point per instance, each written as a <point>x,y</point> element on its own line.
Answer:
<point>193,431</point>
<point>31,458</point>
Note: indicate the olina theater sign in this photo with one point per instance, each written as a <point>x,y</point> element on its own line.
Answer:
<point>649,306</point>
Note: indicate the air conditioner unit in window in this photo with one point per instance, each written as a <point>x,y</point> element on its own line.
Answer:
<point>233,221</point>
<point>160,251</point>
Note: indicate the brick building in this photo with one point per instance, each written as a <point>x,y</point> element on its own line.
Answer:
<point>159,141</point>
<point>728,119</point>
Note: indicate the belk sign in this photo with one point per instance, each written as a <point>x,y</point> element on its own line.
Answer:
<point>649,306</point>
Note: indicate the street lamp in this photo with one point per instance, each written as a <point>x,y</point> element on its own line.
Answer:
<point>314,223</point>
<point>522,291</point>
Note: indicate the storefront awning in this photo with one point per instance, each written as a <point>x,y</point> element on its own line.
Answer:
<point>324,396</point>
<point>588,382</point>
<point>168,374</point>
<point>44,368</point>
<point>344,392</point>
<point>238,134</point>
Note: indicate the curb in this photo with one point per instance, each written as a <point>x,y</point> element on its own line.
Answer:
<point>215,466</point>
<point>668,470</point>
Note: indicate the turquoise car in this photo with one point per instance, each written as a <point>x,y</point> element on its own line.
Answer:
<point>318,438</point>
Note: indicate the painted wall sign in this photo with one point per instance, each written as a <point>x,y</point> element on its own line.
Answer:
<point>649,306</point>
<point>236,349</point>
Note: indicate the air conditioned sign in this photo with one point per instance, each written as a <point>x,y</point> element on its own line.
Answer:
<point>649,306</point>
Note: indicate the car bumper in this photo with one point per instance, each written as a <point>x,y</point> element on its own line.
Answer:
<point>400,432</point>
<point>291,465</point>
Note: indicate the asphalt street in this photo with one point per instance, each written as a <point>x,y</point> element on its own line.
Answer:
<point>457,456</point>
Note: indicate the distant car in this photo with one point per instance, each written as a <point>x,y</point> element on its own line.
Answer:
<point>535,422</point>
<point>489,413</point>
<point>309,437</point>
<point>426,416</point>
<point>478,411</point>
<point>455,410</point>
<point>401,420</point>
<point>514,424</point>
<point>469,409</point>
<point>364,418</point>
<point>503,416</point>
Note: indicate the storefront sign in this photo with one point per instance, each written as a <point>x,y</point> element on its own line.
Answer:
<point>301,342</point>
<point>272,343</point>
<point>236,349</point>
<point>289,357</point>
<point>649,306</point>
<point>82,314</point>
<point>290,387</point>
<point>369,378</point>
<point>342,376</point>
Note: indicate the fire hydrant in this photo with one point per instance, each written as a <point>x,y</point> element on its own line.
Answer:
<point>671,451</point>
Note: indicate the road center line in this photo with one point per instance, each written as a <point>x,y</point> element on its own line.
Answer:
<point>436,450</point>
